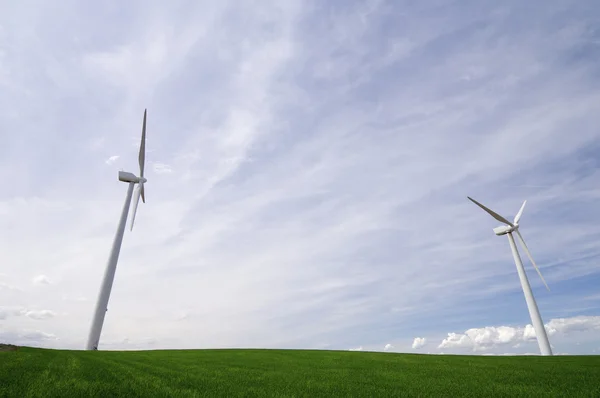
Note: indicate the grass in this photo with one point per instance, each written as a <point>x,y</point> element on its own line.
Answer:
<point>32,372</point>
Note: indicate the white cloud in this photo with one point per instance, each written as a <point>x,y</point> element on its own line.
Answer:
<point>419,342</point>
<point>161,168</point>
<point>574,324</point>
<point>481,339</point>
<point>27,337</point>
<point>111,160</point>
<point>529,332</point>
<point>388,347</point>
<point>356,349</point>
<point>40,315</point>
<point>41,280</point>
<point>6,312</point>
<point>6,286</point>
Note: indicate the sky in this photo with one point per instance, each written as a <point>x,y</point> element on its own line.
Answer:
<point>308,168</point>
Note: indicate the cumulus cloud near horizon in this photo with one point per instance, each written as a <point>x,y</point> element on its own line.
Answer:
<point>419,342</point>
<point>28,337</point>
<point>489,337</point>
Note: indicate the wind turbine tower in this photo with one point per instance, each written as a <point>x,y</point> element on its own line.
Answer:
<point>109,275</point>
<point>508,229</point>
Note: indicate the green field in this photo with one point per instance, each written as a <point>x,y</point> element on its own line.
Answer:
<point>31,372</point>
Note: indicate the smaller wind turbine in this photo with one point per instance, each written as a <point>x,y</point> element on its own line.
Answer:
<point>109,274</point>
<point>534,313</point>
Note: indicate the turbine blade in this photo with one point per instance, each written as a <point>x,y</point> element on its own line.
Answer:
<point>135,205</point>
<point>142,157</point>
<point>520,213</point>
<point>491,212</point>
<point>143,192</point>
<point>531,258</point>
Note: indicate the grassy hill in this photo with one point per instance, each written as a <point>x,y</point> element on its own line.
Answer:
<point>30,372</point>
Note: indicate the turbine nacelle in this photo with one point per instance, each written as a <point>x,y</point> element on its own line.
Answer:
<point>505,229</point>
<point>510,227</point>
<point>126,176</point>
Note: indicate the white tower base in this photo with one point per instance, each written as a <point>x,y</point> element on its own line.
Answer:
<point>109,276</point>
<point>534,313</point>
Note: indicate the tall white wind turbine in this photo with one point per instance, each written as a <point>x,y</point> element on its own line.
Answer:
<point>109,274</point>
<point>534,312</point>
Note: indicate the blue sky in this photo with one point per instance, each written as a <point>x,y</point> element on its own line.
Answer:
<point>308,167</point>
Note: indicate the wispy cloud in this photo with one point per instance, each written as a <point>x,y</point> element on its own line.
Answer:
<point>41,280</point>
<point>6,312</point>
<point>308,166</point>
<point>40,315</point>
<point>111,160</point>
<point>161,168</point>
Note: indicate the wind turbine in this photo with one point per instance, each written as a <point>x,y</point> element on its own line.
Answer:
<point>534,313</point>
<point>109,274</point>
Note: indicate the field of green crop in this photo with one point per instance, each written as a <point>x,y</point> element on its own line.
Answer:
<point>30,372</point>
